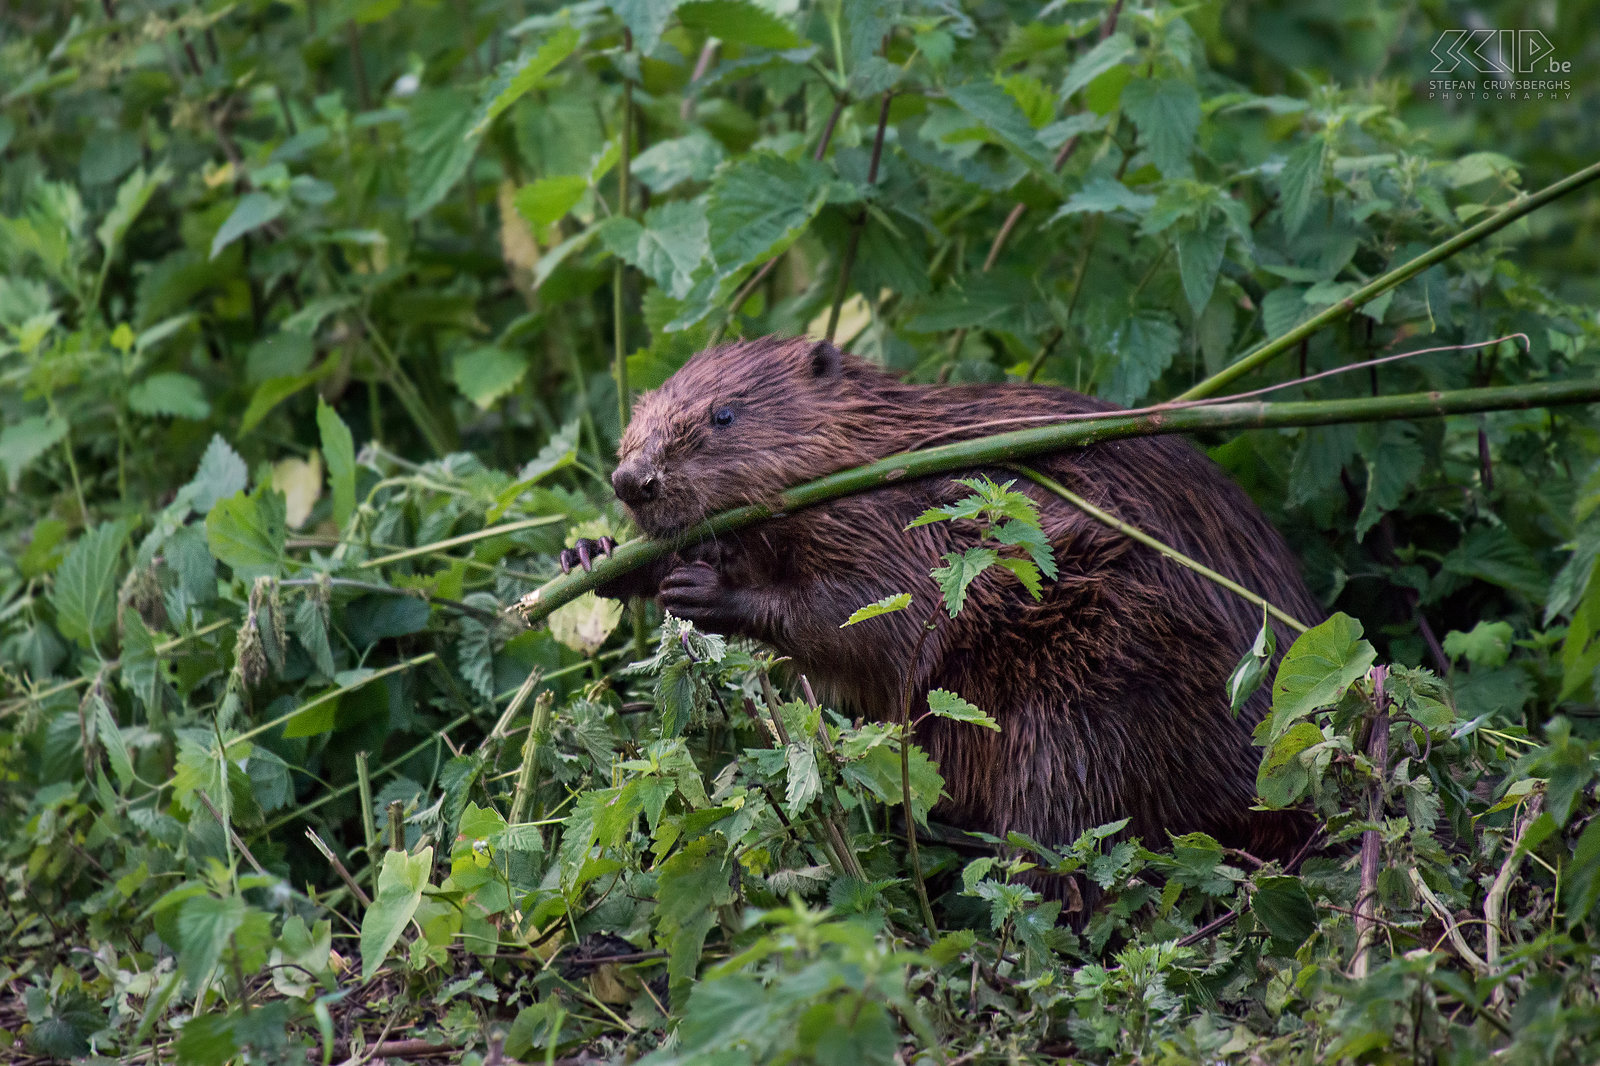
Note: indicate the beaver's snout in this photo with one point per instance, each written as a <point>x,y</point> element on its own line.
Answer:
<point>636,481</point>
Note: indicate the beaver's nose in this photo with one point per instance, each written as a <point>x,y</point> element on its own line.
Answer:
<point>635,483</point>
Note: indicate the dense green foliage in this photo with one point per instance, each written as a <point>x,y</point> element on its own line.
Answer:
<point>309,322</point>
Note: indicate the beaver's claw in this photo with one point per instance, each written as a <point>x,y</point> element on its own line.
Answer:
<point>583,553</point>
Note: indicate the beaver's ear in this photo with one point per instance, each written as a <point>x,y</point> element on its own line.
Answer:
<point>824,360</point>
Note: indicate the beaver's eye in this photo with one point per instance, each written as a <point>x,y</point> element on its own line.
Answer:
<point>722,416</point>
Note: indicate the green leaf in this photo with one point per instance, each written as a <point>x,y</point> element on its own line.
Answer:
<point>515,78</point>
<point>23,441</point>
<point>945,704</point>
<point>85,589</point>
<point>739,22</point>
<point>400,885</point>
<point>1300,183</point>
<point>645,19</point>
<point>178,395</point>
<point>1392,467</point>
<point>1025,533</point>
<point>112,740</point>
<point>998,114</point>
<point>132,196</point>
<point>205,923</point>
<point>1096,61</point>
<point>311,627</point>
<point>1582,888</point>
<point>1282,779</point>
<point>1103,195</point>
<point>1252,667</point>
<point>1488,644</point>
<point>437,155</point>
<point>1199,261</point>
<point>1317,670</point>
<point>1282,905</point>
<point>270,393</point>
<point>692,882</point>
<point>668,248</point>
<point>221,474</point>
<point>485,374</point>
<point>959,571</point>
<point>1166,112</point>
<point>803,779</point>
<point>1141,349</point>
<point>339,449</point>
<point>549,199</point>
<point>248,532</point>
<point>1026,572</point>
<point>253,211</point>
<point>667,164</point>
<point>888,605</point>
<point>760,205</point>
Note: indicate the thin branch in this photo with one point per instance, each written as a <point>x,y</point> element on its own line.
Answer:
<point>1025,443</point>
<point>1496,897</point>
<point>1366,916</point>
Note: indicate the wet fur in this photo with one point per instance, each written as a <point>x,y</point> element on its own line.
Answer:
<point>1110,692</point>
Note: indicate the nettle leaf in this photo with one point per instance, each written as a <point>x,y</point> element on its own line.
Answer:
<point>400,886</point>
<point>1300,183</point>
<point>1283,309</point>
<point>1283,778</point>
<point>945,704</point>
<point>437,155</point>
<point>1283,906</point>
<point>1027,573</point>
<point>1103,195</point>
<point>645,19</point>
<point>739,22</point>
<point>132,196</point>
<point>486,374</point>
<point>517,77</point>
<point>1141,349</point>
<point>1028,535</point>
<point>1166,112</point>
<point>311,627</point>
<point>205,924</point>
<point>338,448</point>
<point>1252,667</point>
<point>85,588</point>
<point>1393,465</point>
<point>1317,670</point>
<point>1096,61</point>
<point>177,395</point>
<point>1495,555</point>
<point>667,164</point>
<point>1200,254</point>
<point>997,112</point>
<point>1488,644</point>
<point>248,532</point>
<point>253,211</point>
<point>23,441</point>
<point>549,199</point>
<point>888,605</point>
<point>959,571</point>
<point>669,247</point>
<point>760,205</point>
<point>804,781</point>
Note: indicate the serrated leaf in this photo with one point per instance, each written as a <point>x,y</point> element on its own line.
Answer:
<point>1027,573</point>
<point>739,22</point>
<point>1487,644</point>
<point>85,588</point>
<point>177,395</point>
<point>888,605</point>
<point>549,199</point>
<point>132,196</point>
<point>667,164</point>
<point>110,735</point>
<point>1281,779</point>
<point>997,113</point>
<point>515,78</point>
<point>803,779</point>
<point>486,374</point>
<point>1096,61</point>
<point>1300,184</point>
<point>400,886</point>
<point>1282,905</point>
<point>1141,349</point>
<point>1392,467</point>
<point>760,205</point>
<point>1026,534</point>
<point>1318,668</point>
<point>959,571</point>
<point>645,19</point>
<point>1102,195</point>
<point>436,153</point>
<point>1166,112</point>
<point>339,448</point>
<point>248,532</point>
<point>205,924</point>
<point>311,627</point>
<point>943,703</point>
<point>23,441</point>
<point>254,210</point>
<point>668,248</point>
<point>1199,261</point>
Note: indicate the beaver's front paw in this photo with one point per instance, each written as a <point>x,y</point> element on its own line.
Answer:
<point>584,553</point>
<point>695,592</point>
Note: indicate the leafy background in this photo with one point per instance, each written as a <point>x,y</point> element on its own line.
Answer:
<point>310,317</point>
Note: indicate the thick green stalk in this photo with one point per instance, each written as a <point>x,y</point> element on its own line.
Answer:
<point>1024,443</point>
<point>1380,285</point>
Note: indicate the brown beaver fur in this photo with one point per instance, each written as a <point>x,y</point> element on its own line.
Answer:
<point>1110,691</point>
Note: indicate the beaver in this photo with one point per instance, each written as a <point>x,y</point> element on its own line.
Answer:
<point>1110,690</point>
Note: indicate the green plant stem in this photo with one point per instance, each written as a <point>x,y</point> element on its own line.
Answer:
<point>538,725</point>
<point>842,286</point>
<point>619,333</point>
<point>369,825</point>
<point>1382,284</point>
<point>1135,533</point>
<point>1025,443</point>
